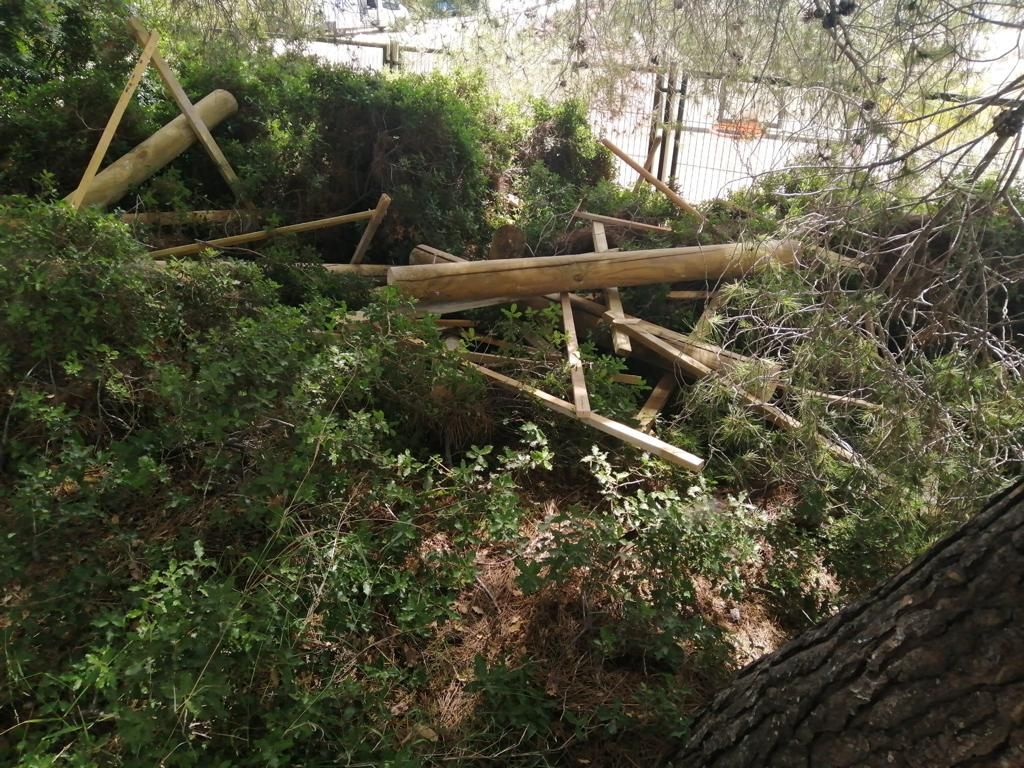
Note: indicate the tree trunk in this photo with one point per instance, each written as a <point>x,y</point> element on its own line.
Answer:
<point>927,671</point>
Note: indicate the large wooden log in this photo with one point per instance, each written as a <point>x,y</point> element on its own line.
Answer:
<point>111,184</point>
<point>473,280</point>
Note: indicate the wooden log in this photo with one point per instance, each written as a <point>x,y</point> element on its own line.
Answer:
<point>111,184</point>
<point>425,254</point>
<point>626,223</point>
<point>559,274</point>
<point>197,121</point>
<point>263,234</point>
<point>371,228</point>
<point>591,314</point>
<point>76,197</point>
<point>580,397</point>
<point>612,298</point>
<point>628,435</point>
<point>656,401</point>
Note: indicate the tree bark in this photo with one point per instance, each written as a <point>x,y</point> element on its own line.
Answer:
<point>927,671</point>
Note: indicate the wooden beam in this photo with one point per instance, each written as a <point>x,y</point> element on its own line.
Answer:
<point>627,223</point>
<point>495,361</point>
<point>371,228</point>
<point>649,160</point>
<point>690,295</point>
<point>599,237</point>
<point>113,121</point>
<point>628,435</point>
<point>580,397</point>
<point>628,378</point>
<point>656,401</point>
<point>771,413</point>
<point>654,181</point>
<point>491,341</point>
<point>154,153</point>
<point>856,402</point>
<point>195,120</point>
<point>620,341</point>
<point>703,325</point>
<point>559,274</point>
<point>710,355</point>
<point>426,254</point>
<point>163,218</point>
<point>363,270</point>
<point>263,234</point>
<point>455,323</point>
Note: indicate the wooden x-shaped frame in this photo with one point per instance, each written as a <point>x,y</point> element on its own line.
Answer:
<point>150,55</point>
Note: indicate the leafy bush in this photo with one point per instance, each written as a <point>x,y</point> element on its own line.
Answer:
<point>252,515</point>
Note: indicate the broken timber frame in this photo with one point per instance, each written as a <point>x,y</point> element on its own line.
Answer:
<point>249,237</point>
<point>625,223</point>
<point>170,144</point>
<point>694,368</point>
<point>142,36</point>
<point>633,437</point>
<point>371,228</point>
<point>76,197</point>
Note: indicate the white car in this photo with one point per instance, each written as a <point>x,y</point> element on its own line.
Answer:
<point>385,13</point>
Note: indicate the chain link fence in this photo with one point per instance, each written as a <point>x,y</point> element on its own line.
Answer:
<point>704,135</point>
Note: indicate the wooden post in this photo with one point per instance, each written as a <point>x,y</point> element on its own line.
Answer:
<point>579,383</point>
<point>115,119</point>
<point>194,118</point>
<point>560,274</point>
<point>110,184</point>
<point>249,237</point>
<point>662,187</point>
<point>654,181</point>
<point>612,298</point>
<point>656,401</point>
<point>633,437</point>
<point>649,162</point>
<point>371,228</point>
